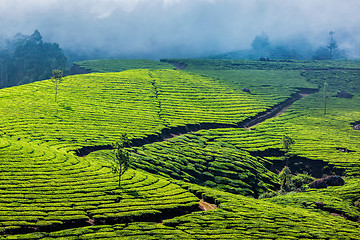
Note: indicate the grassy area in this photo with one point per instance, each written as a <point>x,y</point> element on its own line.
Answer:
<point>198,159</point>
<point>93,109</point>
<point>237,217</point>
<point>47,192</point>
<point>45,188</point>
<point>118,65</point>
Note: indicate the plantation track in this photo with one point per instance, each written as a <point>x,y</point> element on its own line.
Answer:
<point>171,132</point>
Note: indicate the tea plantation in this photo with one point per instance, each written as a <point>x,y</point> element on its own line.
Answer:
<point>196,135</point>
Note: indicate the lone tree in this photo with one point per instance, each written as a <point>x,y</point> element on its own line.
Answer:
<point>56,78</point>
<point>287,142</point>
<point>332,44</point>
<point>122,156</point>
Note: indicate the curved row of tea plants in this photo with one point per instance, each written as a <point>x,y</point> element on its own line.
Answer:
<point>93,109</point>
<point>45,188</point>
<point>237,217</point>
<point>329,137</point>
<point>198,159</point>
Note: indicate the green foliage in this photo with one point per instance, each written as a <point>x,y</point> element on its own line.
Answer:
<point>287,142</point>
<point>44,185</point>
<point>301,179</point>
<point>122,156</point>
<point>284,176</point>
<point>28,59</point>
<point>118,65</point>
<point>197,158</point>
<point>56,78</point>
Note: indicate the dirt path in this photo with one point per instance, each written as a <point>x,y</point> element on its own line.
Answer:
<point>205,206</point>
<point>172,132</point>
<point>282,110</point>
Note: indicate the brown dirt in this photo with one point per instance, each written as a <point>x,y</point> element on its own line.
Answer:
<point>283,110</point>
<point>205,206</point>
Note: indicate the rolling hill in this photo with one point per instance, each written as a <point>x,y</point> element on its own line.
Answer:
<point>192,139</point>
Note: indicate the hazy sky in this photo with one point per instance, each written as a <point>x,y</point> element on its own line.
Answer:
<point>180,28</point>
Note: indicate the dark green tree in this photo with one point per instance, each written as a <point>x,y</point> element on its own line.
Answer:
<point>56,78</point>
<point>260,43</point>
<point>122,156</point>
<point>332,44</point>
<point>285,176</point>
<point>26,59</point>
<point>287,142</point>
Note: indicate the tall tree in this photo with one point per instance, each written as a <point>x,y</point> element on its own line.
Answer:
<point>332,44</point>
<point>122,156</point>
<point>26,59</point>
<point>260,43</point>
<point>56,78</point>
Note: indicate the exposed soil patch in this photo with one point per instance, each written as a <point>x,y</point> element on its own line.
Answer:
<point>205,206</point>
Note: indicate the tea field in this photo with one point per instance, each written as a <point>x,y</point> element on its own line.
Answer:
<point>118,65</point>
<point>189,143</point>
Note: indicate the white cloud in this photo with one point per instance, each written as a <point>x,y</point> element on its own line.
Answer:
<point>194,26</point>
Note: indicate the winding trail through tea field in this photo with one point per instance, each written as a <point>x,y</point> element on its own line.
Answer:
<point>172,132</point>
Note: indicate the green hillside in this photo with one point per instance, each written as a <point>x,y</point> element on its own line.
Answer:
<point>189,143</point>
<point>118,65</point>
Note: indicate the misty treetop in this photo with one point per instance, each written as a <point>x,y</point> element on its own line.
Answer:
<point>27,59</point>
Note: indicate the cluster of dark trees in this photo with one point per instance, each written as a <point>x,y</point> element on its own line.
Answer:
<point>261,47</point>
<point>301,49</point>
<point>26,59</point>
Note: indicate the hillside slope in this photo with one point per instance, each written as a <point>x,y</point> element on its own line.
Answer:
<point>49,192</point>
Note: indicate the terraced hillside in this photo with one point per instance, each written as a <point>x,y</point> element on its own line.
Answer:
<point>49,192</point>
<point>117,65</point>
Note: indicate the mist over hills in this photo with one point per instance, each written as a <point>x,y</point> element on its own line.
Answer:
<point>180,29</point>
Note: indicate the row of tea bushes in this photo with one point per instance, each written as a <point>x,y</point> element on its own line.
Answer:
<point>45,188</point>
<point>329,137</point>
<point>338,200</point>
<point>244,64</point>
<point>93,109</point>
<point>237,217</point>
<point>191,99</point>
<point>196,158</point>
<point>119,65</point>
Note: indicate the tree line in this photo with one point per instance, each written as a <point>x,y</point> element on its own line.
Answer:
<point>26,59</point>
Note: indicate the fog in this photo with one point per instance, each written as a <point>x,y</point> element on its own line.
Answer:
<point>180,28</point>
